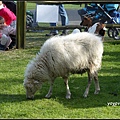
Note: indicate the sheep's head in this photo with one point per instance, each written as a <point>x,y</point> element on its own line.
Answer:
<point>31,87</point>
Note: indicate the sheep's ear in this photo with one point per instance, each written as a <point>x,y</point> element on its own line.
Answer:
<point>36,82</point>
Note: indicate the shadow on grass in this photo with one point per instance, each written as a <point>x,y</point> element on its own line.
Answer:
<point>114,56</point>
<point>112,41</point>
<point>34,40</point>
<point>109,93</point>
<point>12,98</point>
<point>109,85</point>
<point>110,70</point>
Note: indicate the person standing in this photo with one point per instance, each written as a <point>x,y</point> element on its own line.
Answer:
<point>64,21</point>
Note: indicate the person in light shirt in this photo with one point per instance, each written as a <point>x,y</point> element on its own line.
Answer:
<point>5,32</point>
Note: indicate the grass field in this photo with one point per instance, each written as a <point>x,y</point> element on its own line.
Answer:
<point>13,103</point>
<point>67,6</point>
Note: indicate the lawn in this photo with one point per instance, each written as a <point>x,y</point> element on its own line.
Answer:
<point>67,6</point>
<point>13,103</point>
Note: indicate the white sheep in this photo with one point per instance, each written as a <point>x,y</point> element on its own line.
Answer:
<point>61,55</point>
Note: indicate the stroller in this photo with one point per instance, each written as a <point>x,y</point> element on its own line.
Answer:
<point>99,13</point>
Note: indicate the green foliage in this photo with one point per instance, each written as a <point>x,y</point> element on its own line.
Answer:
<point>13,103</point>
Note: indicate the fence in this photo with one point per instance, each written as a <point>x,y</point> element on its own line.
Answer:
<point>21,18</point>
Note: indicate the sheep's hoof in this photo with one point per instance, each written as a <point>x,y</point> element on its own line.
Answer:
<point>85,95</point>
<point>48,96</point>
<point>96,91</point>
<point>68,96</point>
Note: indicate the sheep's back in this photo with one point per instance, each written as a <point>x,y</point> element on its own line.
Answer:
<point>72,52</point>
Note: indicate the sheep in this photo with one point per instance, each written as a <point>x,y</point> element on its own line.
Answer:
<point>61,56</point>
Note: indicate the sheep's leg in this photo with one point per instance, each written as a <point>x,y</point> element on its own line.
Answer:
<point>97,87</point>
<point>50,90</point>
<point>68,93</point>
<point>88,86</point>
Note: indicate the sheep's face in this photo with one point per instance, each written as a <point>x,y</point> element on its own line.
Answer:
<point>31,88</point>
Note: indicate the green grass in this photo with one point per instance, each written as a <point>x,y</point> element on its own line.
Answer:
<point>31,6</point>
<point>13,103</point>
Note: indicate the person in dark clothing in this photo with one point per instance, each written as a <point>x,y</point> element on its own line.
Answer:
<point>11,5</point>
